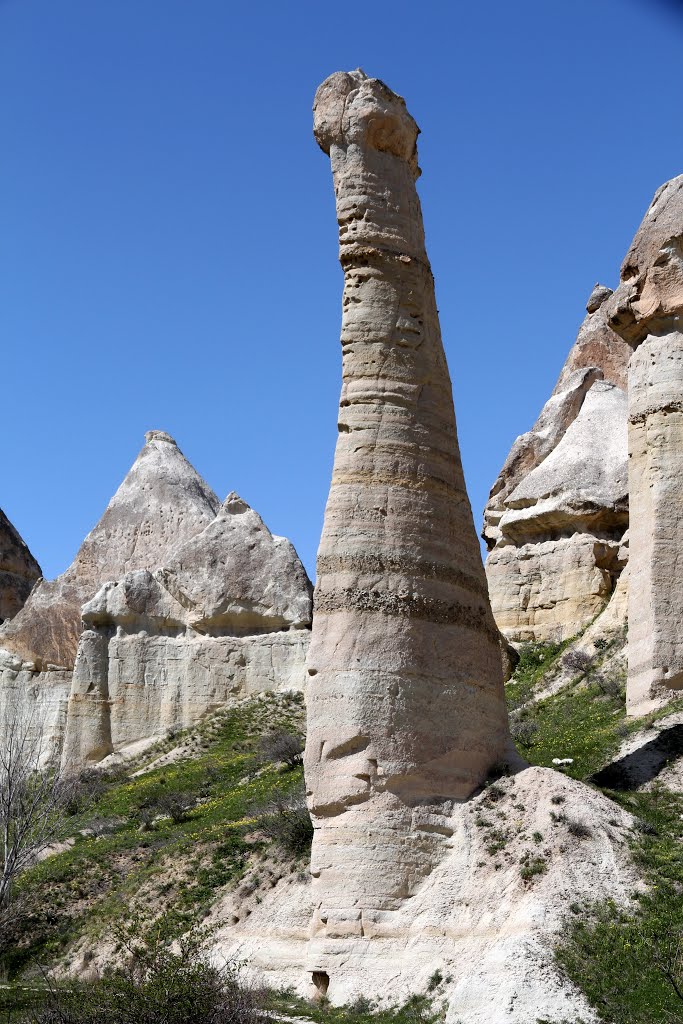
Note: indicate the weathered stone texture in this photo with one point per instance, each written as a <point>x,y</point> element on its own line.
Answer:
<point>647,311</point>
<point>19,570</point>
<point>406,710</point>
<point>162,501</point>
<point>228,614</point>
<point>557,513</point>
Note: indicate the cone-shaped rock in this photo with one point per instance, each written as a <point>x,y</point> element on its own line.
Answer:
<point>19,570</point>
<point>647,311</point>
<point>161,501</point>
<point>406,711</point>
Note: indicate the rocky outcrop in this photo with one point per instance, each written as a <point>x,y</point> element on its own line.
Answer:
<point>647,312</point>
<point>228,613</point>
<point>479,919</point>
<point>19,571</point>
<point>162,501</point>
<point>172,602</point>
<point>406,712</point>
<point>556,516</point>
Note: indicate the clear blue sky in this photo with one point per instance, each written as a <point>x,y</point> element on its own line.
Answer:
<point>168,252</point>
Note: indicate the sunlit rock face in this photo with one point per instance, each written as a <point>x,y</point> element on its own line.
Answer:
<point>161,501</point>
<point>557,514</point>
<point>227,615</point>
<point>19,571</point>
<point>647,312</point>
<point>406,711</point>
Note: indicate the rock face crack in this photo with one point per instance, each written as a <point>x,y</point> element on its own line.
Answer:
<point>406,708</point>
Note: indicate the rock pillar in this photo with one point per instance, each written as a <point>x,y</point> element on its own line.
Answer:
<point>406,710</point>
<point>647,311</point>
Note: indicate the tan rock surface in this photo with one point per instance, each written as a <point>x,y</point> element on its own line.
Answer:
<point>559,508</point>
<point>647,311</point>
<point>406,710</point>
<point>229,613</point>
<point>19,570</point>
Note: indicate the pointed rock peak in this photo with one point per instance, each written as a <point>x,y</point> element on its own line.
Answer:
<point>162,502</point>
<point>234,505</point>
<point>596,298</point>
<point>159,435</point>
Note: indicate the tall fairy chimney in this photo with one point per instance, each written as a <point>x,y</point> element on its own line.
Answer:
<point>406,709</point>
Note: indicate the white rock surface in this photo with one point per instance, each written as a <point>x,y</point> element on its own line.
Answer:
<point>474,918</point>
<point>229,613</point>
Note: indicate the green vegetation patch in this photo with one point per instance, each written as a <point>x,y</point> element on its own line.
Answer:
<point>160,846</point>
<point>629,965</point>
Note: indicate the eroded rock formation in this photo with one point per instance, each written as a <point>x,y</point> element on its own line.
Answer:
<point>647,312</point>
<point>229,613</point>
<point>406,712</point>
<point>172,603</point>
<point>557,514</point>
<point>161,501</point>
<point>19,571</point>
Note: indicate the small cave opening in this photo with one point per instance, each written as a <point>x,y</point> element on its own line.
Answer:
<point>321,980</point>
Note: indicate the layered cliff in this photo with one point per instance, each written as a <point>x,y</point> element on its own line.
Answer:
<point>557,514</point>
<point>228,614</point>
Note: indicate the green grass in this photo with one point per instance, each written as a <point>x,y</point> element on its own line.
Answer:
<point>535,660</point>
<point>578,722</point>
<point>169,874</point>
<point>419,1009</point>
<point>617,958</point>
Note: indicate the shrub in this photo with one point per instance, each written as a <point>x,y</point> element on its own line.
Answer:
<point>579,829</point>
<point>523,730</point>
<point>578,661</point>
<point>155,987</point>
<point>284,747</point>
<point>532,866</point>
<point>287,823</point>
<point>169,803</point>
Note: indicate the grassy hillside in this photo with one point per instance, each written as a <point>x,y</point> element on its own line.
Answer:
<point>628,965</point>
<point>162,839</point>
<point>159,847</point>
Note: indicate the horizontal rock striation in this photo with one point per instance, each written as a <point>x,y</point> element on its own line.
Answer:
<point>406,710</point>
<point>229,614</point>
<point>19,571</point>
<point>647,312</point>
<point>557,514</point>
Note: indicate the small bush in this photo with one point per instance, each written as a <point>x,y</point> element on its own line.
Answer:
<point>534,866</point>
<point>579,830</point>
<point>523,730</point>
<point>287,823</point>
<point>578,661</point>
<point>284,747</point>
